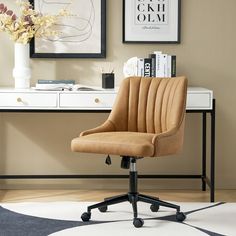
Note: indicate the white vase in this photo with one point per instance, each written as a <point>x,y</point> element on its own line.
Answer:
<point>21,71</point>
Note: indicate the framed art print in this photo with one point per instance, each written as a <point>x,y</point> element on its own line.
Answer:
<point>82,34</point>
<point>151,21</point>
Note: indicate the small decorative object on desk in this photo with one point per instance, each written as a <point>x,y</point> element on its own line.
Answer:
<point>130,67</point>
<point>22,71</point>
<point>22,29</point>
<point>108,80</point>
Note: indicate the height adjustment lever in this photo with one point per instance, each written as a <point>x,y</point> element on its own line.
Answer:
<point>108,160</point>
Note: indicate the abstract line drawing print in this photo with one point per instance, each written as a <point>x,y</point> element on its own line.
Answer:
<point>80,29</point>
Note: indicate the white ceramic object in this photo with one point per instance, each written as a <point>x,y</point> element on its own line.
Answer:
<point>22,71</point>
<point>130,67</point>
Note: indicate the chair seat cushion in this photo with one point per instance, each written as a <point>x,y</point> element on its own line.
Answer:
<point>117,143</point>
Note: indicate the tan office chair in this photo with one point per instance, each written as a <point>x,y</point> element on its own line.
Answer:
<point>147,120</point>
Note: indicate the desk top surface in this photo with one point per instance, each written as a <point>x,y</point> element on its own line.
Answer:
<point>191,89</point>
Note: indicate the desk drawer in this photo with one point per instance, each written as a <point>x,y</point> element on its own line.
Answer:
<point>199,101</point>
<point>87,100</point>
<point>30,100</point>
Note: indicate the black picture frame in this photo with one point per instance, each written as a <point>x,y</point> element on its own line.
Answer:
<point>87,54</point>
<point>149,32</point>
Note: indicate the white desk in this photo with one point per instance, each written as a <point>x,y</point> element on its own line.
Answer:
<point>199,100</point>
<point>12,99</point>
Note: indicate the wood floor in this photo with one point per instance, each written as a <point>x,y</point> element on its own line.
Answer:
<point>98,195</point>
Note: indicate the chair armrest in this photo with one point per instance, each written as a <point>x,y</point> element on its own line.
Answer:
<point>108,126</point>
<point>163,135</point>
<point>169,142</point>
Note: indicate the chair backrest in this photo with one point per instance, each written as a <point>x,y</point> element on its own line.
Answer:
<point>150,105</point>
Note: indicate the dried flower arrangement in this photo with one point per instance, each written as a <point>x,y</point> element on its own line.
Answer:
<point>28,24</point>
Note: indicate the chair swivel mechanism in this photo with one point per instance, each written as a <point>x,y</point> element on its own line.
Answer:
<point>147,120</point>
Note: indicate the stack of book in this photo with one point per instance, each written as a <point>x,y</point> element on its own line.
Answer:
<point>157,64</point>
<point>54,84</point>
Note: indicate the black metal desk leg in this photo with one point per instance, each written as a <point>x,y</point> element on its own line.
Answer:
<point>212,189</point>
<point>204,151</point>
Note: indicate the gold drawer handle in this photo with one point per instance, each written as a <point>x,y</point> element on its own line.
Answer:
<point>96,100</point>
<point>19,99</point>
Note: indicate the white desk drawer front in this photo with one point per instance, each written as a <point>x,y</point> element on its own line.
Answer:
<point>30,100</point>
<point>199,101</point>
<point>87,100</point>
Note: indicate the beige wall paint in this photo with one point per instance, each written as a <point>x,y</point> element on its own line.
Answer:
<point>40,143</point>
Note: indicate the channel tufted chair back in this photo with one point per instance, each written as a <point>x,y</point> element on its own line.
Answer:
<point>149,105</point>
<point>147,120</point>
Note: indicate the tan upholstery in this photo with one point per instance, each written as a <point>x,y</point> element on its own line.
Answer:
<point>147,120</point>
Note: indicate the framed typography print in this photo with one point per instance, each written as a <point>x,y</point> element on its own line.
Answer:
<point>82,33</point>
<point>151,21</point>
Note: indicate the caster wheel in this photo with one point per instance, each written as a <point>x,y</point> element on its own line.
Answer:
<point>154,208</point>
<point>138,222</point>
<point>86,216</point>
<point>102,209</point>
<point>180,216</point>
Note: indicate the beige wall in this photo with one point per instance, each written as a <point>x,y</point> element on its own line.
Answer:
<point>40,143</point>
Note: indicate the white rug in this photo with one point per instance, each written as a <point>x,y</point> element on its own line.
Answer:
<point>63,219</point>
